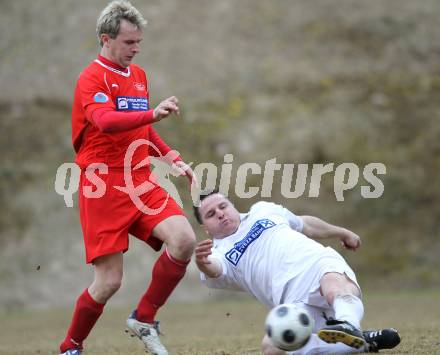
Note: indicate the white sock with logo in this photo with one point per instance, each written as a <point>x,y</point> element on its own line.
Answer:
<point>349,308</point>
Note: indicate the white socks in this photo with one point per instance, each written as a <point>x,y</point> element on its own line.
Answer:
<point>349,308</point>
<point>316,346</point>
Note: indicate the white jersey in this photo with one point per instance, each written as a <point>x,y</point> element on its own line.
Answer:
<point>265,253</point>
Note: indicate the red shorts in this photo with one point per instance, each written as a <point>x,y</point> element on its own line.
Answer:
<point>107,220</point>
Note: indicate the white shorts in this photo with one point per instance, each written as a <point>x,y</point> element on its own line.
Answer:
<point>304,289</point>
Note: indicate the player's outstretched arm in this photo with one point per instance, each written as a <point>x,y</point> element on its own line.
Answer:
<point>318,229</point>
<point>209,266</point>
<point>108,120</point>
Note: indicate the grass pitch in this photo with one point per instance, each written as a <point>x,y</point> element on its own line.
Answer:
<point>221,327</point>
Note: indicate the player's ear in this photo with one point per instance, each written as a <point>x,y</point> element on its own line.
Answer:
<point>104,39</point>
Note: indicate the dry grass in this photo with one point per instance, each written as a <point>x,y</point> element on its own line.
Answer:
<point>304,81</point>
<point>224,327</point>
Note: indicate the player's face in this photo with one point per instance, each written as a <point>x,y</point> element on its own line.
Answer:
<point>122,49</point>
<point>219,216</point>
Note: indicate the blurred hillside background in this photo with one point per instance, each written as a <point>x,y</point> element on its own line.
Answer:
<point>303,81</point>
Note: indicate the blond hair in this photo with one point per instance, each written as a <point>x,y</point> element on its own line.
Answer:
<point>109,21</point>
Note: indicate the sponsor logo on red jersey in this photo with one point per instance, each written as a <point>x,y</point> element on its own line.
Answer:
<point>132,103</point>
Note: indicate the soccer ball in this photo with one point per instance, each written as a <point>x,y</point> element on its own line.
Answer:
<point>289,327</point>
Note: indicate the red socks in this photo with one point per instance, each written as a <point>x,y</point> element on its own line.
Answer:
<point>166,274</point>
<point>85,315</point>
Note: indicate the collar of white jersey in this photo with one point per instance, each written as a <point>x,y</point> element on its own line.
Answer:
<point>120,72</point>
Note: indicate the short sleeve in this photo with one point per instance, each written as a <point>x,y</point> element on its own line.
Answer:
<point>295,222</point>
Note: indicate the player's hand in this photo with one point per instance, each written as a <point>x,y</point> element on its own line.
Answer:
<point>183,168</point>
<point>202,251</point>
<point>166,107</point>
<point>350,241</point>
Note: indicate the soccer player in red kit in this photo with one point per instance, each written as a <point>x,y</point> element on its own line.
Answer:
<point>111,110</point>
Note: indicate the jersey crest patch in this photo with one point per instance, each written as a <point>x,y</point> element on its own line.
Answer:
<point>100,97</point>
<point>139,86</point>
<point>234,255</point>
<point>132,103</point>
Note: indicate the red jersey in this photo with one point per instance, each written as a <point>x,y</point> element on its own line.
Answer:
<point>104,85</point>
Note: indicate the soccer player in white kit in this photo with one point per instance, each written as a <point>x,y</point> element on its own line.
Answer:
<point>270,253</point>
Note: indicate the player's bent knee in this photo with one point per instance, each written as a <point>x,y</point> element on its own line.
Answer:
<point>335,284</point>
<point>114,285</point>
<point>102,290</point>
<point>110,288</point>
<point>187,241</point>
<point>183,245</point>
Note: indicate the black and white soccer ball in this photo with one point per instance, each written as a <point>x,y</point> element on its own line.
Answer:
<point>289,327</point>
